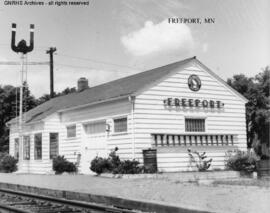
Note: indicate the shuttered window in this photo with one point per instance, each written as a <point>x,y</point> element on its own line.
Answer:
<point>194,125</point>
<point>38,146</point>
<point>16,148</point>
<point>95,127</point>
<point>71,131</point>
<point>26,147</point>
<point>53,145</point>
<point>120,124</point>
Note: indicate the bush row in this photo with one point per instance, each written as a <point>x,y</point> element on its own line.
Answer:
<point>8,164</point>
<point>114,165</point>
<point>240,161</point>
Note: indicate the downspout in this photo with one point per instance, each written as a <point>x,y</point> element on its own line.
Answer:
<point>132,101</point>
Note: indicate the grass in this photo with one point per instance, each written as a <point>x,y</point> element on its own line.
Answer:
<point>245,182</point>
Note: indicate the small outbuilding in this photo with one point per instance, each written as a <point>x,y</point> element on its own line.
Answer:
<point>163,111</point>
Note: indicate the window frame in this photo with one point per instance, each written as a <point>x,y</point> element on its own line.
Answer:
<point>36,157</point>
<point>75,133</point>
<point>17,151</point>
<point>92,123</point>
<point>195,118</point>
<point>50,147</point>
<point>26,149</point>
<point>119,118</point>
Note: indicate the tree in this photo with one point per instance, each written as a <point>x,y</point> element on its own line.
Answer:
<point>67,91</point>
<point>8,97</point>
<point>9,109</point>
<point>47,97</point>
<point>256,90</point>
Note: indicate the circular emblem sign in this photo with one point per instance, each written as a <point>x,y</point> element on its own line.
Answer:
<point>194,83</point>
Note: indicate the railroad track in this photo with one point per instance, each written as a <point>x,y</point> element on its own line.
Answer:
<point>20,202</point>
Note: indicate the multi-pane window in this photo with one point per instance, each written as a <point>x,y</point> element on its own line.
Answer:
<point>194,125</point>
<point>26,147</point>
<point>38,146</point>
<point>53,145</point>
<point>95,127</point>
<point>120,124</point>
<point>16,148</point>
<point>71,131</point>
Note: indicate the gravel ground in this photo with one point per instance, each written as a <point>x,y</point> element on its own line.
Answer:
<point>204,196</point>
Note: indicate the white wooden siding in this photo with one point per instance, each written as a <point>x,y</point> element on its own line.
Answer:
<point>151,116</point>
<point>31,165</point>
<point>72,147</point>
<point>105,111</point>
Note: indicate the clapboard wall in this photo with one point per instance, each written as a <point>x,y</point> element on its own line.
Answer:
<point>32,166</point>
<point>104,111</point>
<point>150,116</point>
<point>71,147</point>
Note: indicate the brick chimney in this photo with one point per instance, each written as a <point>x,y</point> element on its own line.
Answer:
<point>82,84</point>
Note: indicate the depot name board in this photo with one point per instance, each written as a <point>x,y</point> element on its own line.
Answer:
<point>184,102</point>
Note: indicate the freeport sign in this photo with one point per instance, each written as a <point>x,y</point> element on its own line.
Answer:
<point>184,102</point>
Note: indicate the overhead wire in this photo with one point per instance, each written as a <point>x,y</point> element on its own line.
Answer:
<point>98,61</point>
<point>42,48</point>
<point>89,68</point>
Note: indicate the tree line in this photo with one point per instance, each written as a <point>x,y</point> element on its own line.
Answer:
<point>255,89</point>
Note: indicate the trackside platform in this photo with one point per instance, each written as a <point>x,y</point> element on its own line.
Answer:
<point>146,194</point>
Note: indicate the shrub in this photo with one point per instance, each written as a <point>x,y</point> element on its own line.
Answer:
<point>100,165</point>
<point>114,159</point>
<point>60,165</point>
<point>202,164</point>
<point>128,167</point>
<point>8,163</point>
<point>241,161</point>
<point>114,165</point>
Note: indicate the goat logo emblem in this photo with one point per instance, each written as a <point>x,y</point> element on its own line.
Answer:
<point>194,83</point>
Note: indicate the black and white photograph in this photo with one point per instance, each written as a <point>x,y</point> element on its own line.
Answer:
<point>134,106</point>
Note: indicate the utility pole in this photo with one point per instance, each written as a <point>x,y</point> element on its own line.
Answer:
<point>50,52</point>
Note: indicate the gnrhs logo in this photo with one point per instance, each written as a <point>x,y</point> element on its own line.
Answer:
<point>194,83</point>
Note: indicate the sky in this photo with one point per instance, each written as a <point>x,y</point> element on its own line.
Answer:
<point>109,39</point>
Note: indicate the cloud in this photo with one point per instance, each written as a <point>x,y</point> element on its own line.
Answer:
<point>205,47</point>
<point>155,38</point>
<point>10,73</point>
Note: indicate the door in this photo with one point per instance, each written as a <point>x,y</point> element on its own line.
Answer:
<point>94,143</point>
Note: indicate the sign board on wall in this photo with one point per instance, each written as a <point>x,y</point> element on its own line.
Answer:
<point>189,102</point>
<point>194,84</point>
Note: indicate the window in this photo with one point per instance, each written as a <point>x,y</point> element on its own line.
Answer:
<point>53,145</point>
<point>195,125</point>
<point>120,125</point>
<point>38,146</point>
<point>26,147</point>
<point>95,127</point>
<point>16,148</point>
<point>71,131</point>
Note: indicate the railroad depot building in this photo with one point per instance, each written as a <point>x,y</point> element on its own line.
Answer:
<point>169,109</point>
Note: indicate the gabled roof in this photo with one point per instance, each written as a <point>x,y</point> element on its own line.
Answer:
<point>123,87</point>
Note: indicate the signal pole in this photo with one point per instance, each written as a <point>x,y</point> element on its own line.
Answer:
<point>23,49</point>
<point>50,52</point>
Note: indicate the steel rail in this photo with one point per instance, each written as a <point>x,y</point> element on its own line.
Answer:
<point>73,203</point>
<point>12,209</point>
